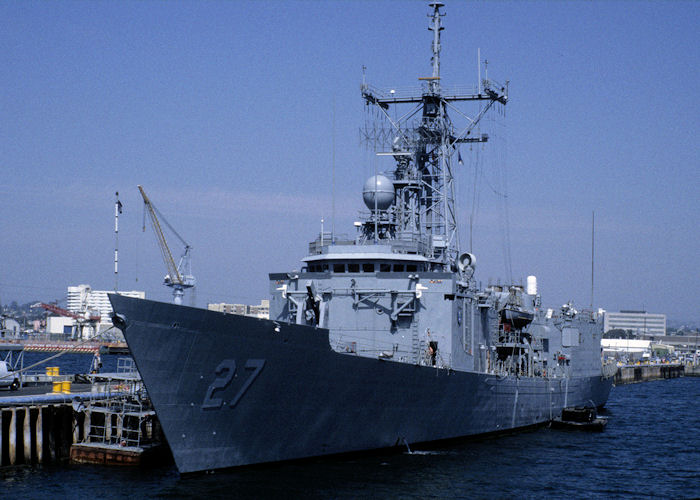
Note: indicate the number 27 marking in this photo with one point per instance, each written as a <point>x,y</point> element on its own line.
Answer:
<point>224,375</point>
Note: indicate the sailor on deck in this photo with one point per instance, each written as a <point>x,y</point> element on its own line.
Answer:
<point>96,363</point>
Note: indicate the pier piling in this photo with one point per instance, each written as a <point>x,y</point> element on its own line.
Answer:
<point>13,437</point>
<point>27,436</point>
<point>35,434</point>
<point>39,437</point>
<point>113,425</point>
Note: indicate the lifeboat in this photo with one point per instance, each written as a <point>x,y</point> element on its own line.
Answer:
<point>516,317</point>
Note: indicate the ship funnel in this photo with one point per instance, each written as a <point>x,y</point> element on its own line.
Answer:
<point>466,260</point>
<point>532,285</point>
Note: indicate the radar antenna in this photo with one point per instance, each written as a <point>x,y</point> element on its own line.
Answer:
<point>423,141</point>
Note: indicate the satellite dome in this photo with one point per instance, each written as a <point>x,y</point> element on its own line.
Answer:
<point>383,188</point>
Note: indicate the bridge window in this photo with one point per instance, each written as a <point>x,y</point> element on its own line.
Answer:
<point>398,268</point>
<point>384,268</point>
<point>411,268</point>
<point>353,268</point>
<point>338,268</point>
<point>368,268</point>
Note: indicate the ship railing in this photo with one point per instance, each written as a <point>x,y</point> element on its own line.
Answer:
<point>317,246</point>
<point>126,366</point>
<point>367,347</point>
<point>125,421</point>
<point>411,93</point>
<point>404,244</point>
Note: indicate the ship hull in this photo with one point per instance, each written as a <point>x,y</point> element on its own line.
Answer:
<point>231,390</point>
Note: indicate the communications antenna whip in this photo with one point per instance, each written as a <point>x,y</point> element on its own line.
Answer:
<point>117,211</point>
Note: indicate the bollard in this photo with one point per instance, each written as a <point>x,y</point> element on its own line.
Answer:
<point>65,387</point>
<point>57,387</point>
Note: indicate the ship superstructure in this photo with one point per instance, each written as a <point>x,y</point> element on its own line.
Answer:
<point>380,339</point>
<point>402,289</point>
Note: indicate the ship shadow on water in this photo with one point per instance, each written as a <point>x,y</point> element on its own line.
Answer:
<point>426,471</point>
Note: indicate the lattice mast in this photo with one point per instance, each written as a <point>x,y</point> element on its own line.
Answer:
<point>423,142</point>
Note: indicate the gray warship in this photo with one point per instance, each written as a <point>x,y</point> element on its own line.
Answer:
<point>380,340</point>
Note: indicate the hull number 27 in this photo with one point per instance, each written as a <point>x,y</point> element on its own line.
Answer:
<point>225,373</point>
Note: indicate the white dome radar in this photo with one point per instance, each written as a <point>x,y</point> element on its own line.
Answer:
<point>378,188</point>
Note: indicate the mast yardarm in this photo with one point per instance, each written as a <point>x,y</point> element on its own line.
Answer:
<point>422,138</point>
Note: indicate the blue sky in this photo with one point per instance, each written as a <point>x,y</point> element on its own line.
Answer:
<point>224,112</point>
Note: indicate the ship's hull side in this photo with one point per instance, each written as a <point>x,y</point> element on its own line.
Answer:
<point>231,390</point>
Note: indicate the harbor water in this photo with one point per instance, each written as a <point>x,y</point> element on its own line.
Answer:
<point>651,448</point>
<point>70,363</point>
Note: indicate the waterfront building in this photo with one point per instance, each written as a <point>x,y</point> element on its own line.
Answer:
<point>60,325</point>
<point>631,349</point>
<point>85,301</point>
<point>638,322</point>
<point>9,328</point>
<point>635,349</point>
<point>256,311</point>
<point>83,298</point>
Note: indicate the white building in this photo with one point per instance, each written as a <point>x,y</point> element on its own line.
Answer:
<point>60,325</point>
<point>639,322</point>
<point>9,328</point>
<point>633,349</point>
<point>83,298</point>
<point>259,311</point>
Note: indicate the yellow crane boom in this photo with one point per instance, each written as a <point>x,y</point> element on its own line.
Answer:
<point>176,277</point>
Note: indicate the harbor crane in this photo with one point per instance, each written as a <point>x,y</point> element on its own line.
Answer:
<point>179,276</point>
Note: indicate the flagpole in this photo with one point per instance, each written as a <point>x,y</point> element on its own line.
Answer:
<point>117,211</point>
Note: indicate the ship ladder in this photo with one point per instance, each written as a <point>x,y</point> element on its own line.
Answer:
<point>415,339</point>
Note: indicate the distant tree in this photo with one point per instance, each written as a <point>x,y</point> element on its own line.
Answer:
<point>616,333</point>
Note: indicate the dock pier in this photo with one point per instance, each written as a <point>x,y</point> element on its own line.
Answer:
<point>36,433</point>
<point>631,374</point>
<point>109,420</point>
<point>691,370</point>
<point>112,428</point>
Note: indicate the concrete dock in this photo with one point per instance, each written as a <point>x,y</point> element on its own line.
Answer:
<point>631,374</point>
<point>692,370</point>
